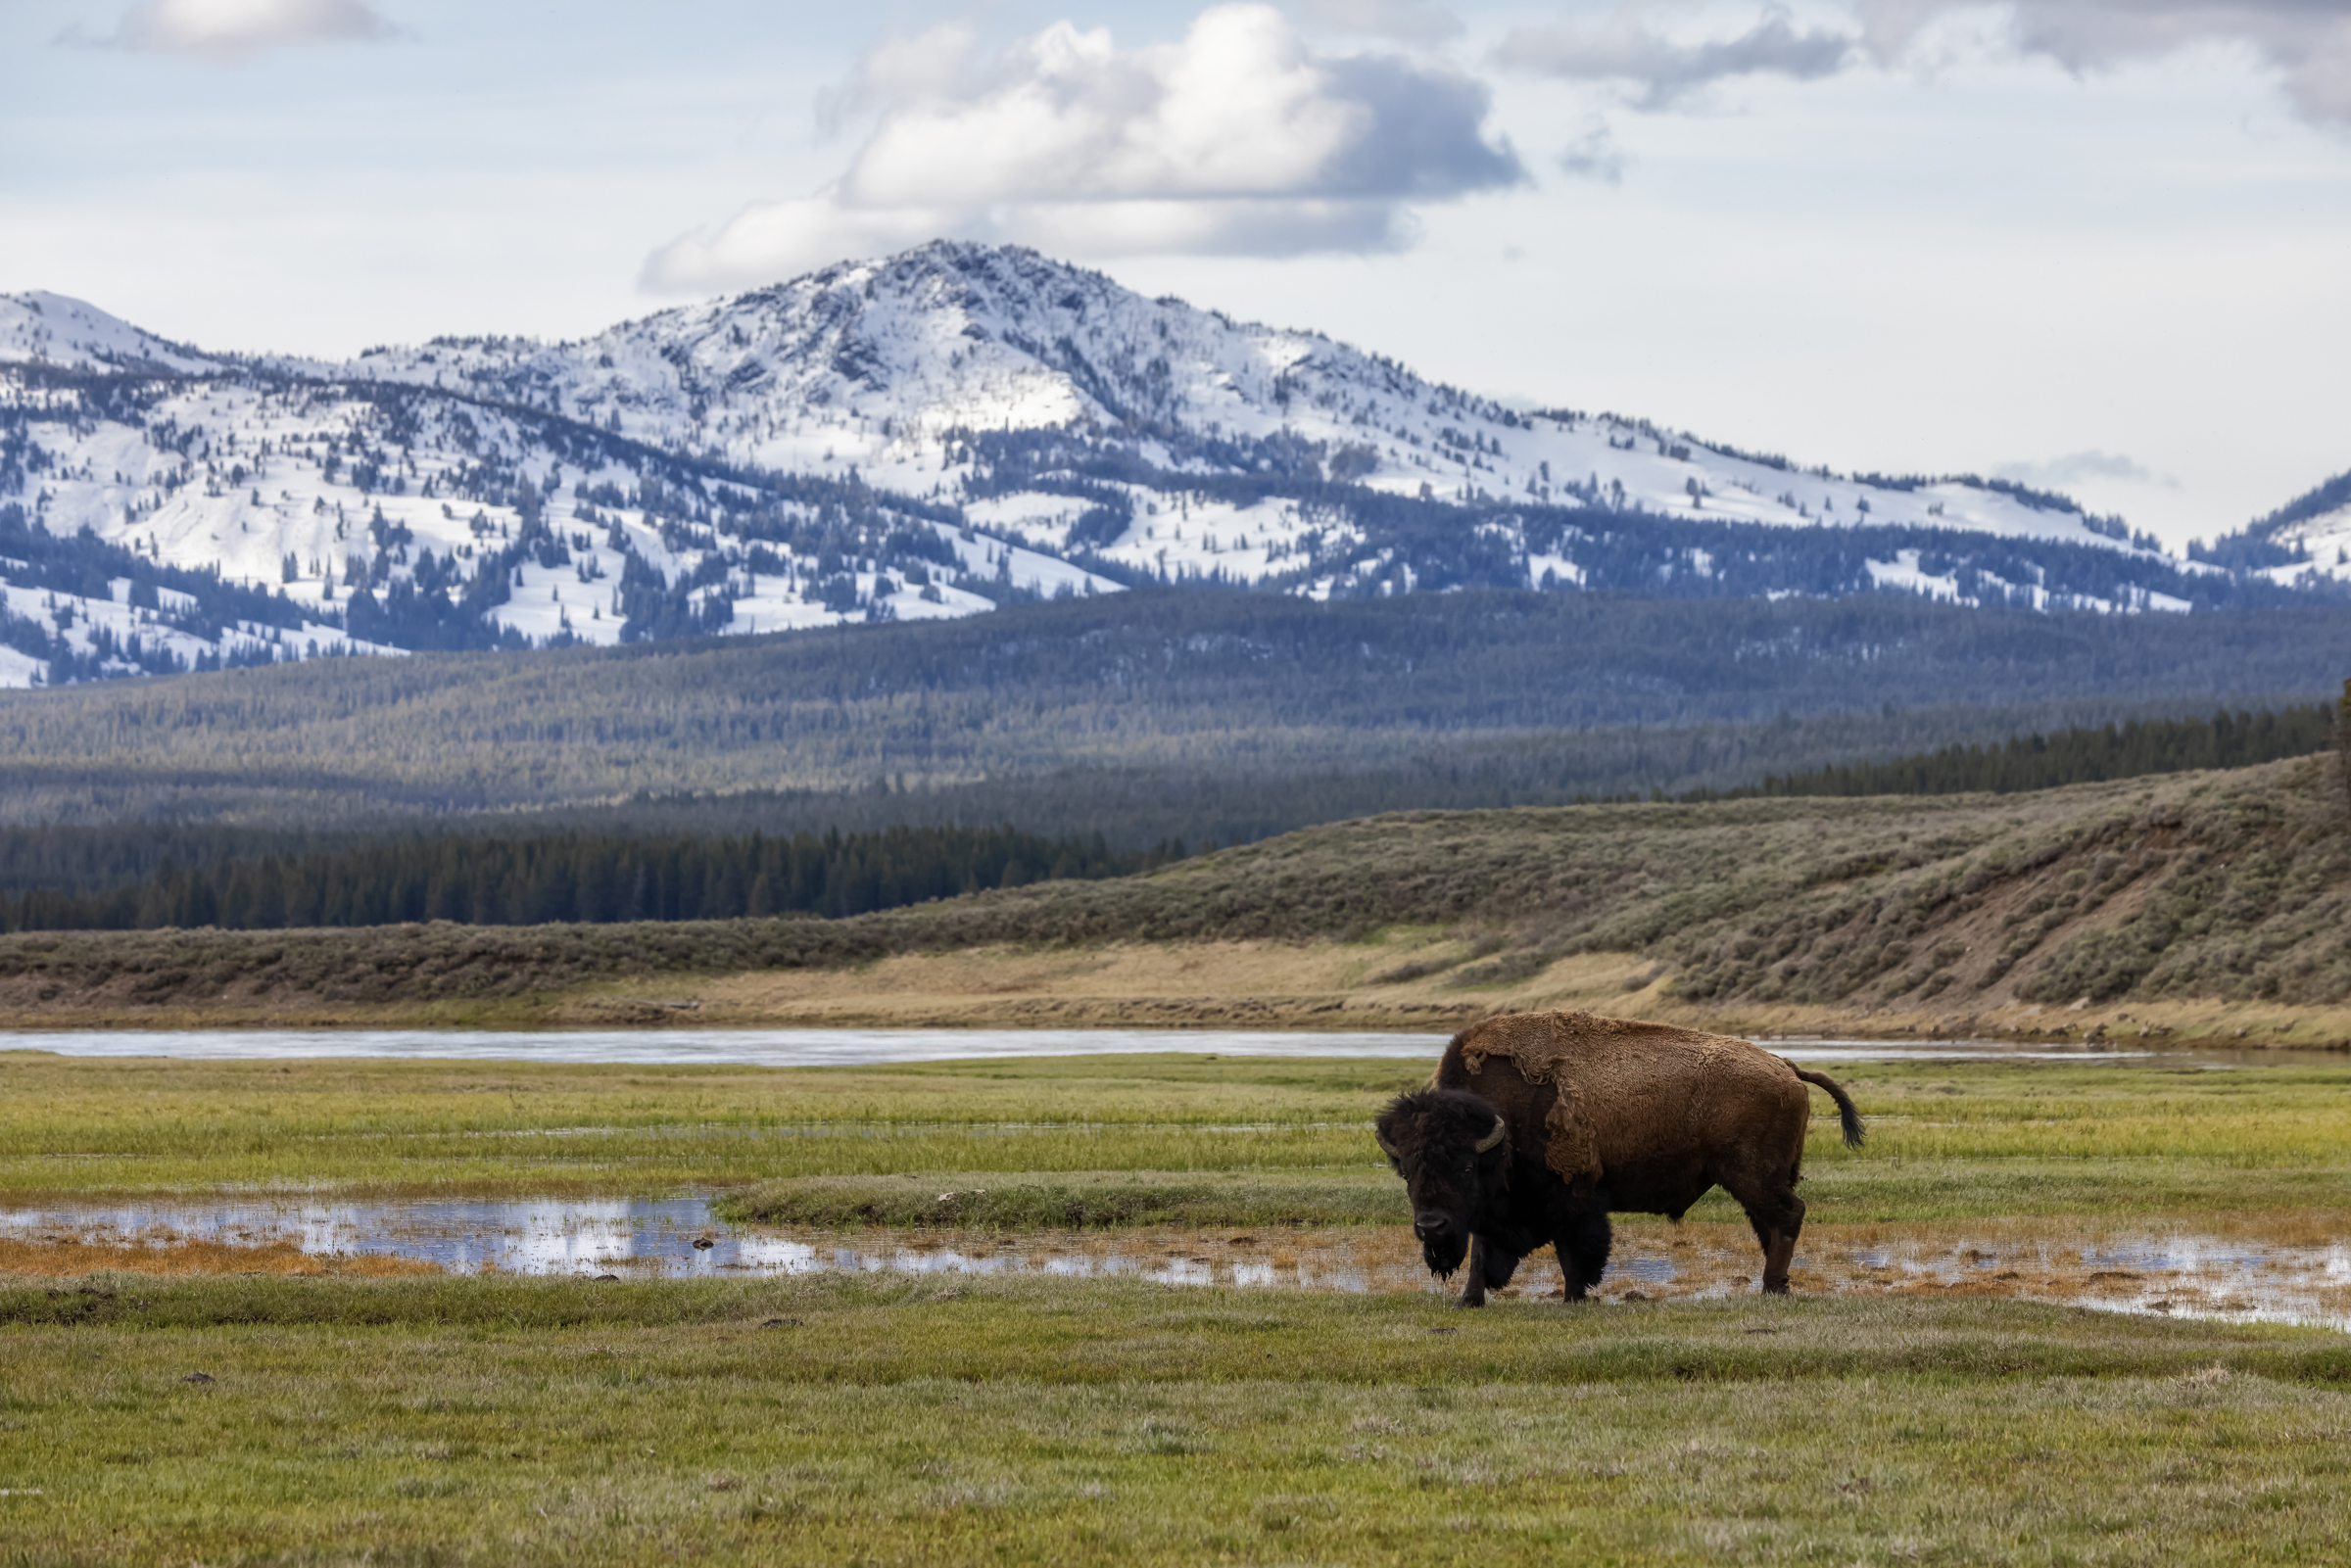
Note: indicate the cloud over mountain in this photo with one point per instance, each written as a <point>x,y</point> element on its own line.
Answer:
<point>2306,42</point>
<point>1627,48</point>
<point>1238,138</point>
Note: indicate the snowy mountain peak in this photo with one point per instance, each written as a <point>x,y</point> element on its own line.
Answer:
<point>922,435</point>
<point>54,329</point>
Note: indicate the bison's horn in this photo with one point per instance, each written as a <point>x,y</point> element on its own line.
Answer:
<point>1500,1130</point>
<point>1387,1148</point>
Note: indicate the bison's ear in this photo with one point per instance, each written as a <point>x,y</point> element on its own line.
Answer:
<point>1502,1130</point>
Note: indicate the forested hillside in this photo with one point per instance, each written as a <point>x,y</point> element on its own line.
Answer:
<point>482,881</point>
<point>2233,888</point>
<point>2131,749</point>
<point>1163,714</point>
<point>147,875</point>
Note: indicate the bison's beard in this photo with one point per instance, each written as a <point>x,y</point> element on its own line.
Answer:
<point>1444,1254</point>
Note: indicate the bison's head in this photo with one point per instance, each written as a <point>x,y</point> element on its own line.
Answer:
<point>1453,1150</point>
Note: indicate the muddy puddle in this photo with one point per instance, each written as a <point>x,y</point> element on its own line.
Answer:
<point>2285,1273</point>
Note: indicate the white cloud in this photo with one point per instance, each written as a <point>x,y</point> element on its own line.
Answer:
<point>1595,155</point>
<point>1237,139</point>
<point>2083,469</point>
<point>2306,42</point>
<point>1627,48</point>
<point>231,30</point>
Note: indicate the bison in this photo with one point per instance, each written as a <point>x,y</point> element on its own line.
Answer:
<point>1538,1125</point>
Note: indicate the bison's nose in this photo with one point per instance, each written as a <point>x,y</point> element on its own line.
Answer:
<point>1428,1228</point>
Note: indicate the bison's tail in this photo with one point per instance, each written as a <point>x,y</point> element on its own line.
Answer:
<point>1847,1112</point>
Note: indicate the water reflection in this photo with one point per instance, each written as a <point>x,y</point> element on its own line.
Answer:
<point>680,1238</point>
<point>2298,1279</point>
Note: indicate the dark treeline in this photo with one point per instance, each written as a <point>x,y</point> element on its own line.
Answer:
<point>87,860</point>
<point>2133,749</point>
<point>134,877</point>
<point>580,877</point>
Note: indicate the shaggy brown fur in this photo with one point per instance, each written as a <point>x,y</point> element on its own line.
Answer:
<point>1624,1116</point>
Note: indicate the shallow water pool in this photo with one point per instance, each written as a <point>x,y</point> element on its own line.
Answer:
<point>2243,1276</point>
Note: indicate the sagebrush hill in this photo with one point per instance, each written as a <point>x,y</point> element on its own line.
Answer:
<point>2223,894</point>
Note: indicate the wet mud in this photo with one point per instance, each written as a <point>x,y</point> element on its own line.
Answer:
<point>2292,1269</point>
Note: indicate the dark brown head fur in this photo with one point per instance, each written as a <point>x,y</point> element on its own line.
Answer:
<point>1433,1139</point>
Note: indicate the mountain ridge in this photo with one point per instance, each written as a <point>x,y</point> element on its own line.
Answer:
<point>930,434</point>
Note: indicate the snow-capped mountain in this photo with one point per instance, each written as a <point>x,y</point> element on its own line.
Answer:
<point>928,434</point>
<point>2304,543</point>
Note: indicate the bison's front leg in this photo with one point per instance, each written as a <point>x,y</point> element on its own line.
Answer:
<point>1490,1265</point>
<point>1583,1245</point>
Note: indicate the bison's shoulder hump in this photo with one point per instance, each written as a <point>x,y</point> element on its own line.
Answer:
<point>1572,1047</point>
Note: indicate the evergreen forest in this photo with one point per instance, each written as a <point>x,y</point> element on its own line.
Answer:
<point>555,879</point>
<point>127,878</point>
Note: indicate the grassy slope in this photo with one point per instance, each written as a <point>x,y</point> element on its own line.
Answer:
<point>2224,888</point>
<point>888,1421</point>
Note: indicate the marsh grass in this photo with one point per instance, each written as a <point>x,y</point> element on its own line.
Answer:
<point>832,1419</point>
<point>885,1418</point>
<point>1172,1139</point>
<point>1071,1201</point>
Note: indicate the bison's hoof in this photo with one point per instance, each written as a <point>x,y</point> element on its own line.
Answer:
<point>1769,1289</point>
<point>1465,1303</point>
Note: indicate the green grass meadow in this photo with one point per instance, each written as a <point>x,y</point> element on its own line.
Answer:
<point>887,1419</point>
<point>880,1421</point>
<point>1224,1140</point>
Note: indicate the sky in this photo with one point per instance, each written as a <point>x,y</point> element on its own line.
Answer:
<point>2102,246</point>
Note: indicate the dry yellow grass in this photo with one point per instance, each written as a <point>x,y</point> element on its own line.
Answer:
<point>66,1256</point>
<point>1313,985</point>
<point>1348,985</point>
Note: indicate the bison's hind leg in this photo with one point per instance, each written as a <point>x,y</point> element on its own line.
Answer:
<point>1582,1244</point>
<point>1778,1219</point>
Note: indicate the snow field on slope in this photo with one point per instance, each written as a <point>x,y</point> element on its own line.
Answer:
<point>2328,538</point>
<point>42,328</point>
<point>189,512</point>
<point>947,339</point>
<point>1176,533</point>
<point>86,617</point>
<point>1904,574</point>
<point>878,371</point>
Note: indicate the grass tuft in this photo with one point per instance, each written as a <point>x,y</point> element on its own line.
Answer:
<point>1027,1201</point>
